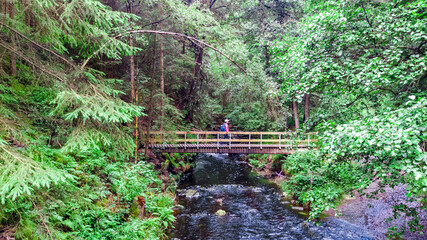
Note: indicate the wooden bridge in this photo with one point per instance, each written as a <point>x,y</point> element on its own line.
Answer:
<point>238,142</point>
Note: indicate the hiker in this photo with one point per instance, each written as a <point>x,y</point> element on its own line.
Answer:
<point>225,128</point>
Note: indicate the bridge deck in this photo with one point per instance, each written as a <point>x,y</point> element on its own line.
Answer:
<point>233,148</point>
<point>239,142</point>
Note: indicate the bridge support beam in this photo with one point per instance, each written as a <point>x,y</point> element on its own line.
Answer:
<point>226,149</point>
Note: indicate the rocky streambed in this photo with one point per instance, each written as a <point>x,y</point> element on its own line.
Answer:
<point>223,199</point>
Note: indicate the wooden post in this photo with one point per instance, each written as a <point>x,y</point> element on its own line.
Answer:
<point>291,140</point>
<point>249,141</point>
<point>217,140</point>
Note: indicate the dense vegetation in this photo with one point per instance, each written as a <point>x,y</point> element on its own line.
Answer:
<point>82,80</point>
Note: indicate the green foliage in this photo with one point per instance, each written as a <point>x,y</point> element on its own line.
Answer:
<point>95,205</point>
<point>192,17</point>
<point>319,184</point>
<point>82,25</point>
<point>387,144</point>
<point>64,142</point>
<point>258,160</point>
<point>21,174</point>
<point>349,51</point>
<point>97,107</point>
<point>251,103</point>
<point>88,139</point>
<point>65,135</point>
<point>362,60</point>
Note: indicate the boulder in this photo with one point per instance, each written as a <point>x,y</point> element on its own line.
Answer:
<point>220,213</point>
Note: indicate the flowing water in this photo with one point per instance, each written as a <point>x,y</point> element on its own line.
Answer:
<point>252,207</point>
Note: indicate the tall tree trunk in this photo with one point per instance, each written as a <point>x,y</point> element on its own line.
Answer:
<point>27,11</point>
<point>295,107</point>
<point>136,131</point>
<point>12,55</point>
<point>191,85</point>
<point>198,58</point>
<point>132,86</point>
<point>4,6</point>
<point>162,79</point>
<point>196,70</point>
<point>267,57</point>
<point>306,107</point>
<point>132,73</point>
<point>132,59</point>
<point>150,104</point>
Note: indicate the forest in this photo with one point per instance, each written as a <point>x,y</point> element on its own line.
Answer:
<point>82,82</point>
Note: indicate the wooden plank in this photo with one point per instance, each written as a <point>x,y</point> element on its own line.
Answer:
<point>234,140</point>
<point>220,132</point>
<point>225,149</point>
<point>245,146</point>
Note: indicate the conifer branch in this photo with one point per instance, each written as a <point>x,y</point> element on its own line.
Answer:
<point>38,45</point>
<point>165,33</point>
<point>36,65</point>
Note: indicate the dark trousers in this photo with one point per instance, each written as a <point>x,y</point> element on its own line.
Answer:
<point>226,136</point>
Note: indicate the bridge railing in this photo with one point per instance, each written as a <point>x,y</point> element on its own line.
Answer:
<point>248,139</point>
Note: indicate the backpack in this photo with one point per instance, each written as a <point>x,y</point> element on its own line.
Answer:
<point>223,127</point>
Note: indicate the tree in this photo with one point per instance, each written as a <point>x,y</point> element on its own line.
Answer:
<point>362,60</point>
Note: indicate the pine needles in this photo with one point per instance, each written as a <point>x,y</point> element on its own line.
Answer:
<point>20,174</point>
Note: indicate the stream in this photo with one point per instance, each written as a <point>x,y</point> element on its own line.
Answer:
<point>250,207</point>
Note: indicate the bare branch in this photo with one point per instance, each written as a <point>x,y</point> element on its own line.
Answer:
<point>164,33</point>
<point>19,54</point>
<point>157,22</point>
<point>41,218</point>
<point>38,45</point>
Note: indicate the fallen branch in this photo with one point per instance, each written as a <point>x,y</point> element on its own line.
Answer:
<point>41,218</point>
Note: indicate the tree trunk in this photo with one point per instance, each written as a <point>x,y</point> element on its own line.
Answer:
<point>132,60</point>
<point>198,63</point>
<point>162,79</point>
<point>295,107</point>
<point>12,55</point>
<point>198,58</point>
<point>132,86</point>
<point>306,107</point>
<point>132,73</point>
<point>136,130</point>
<point>150,104</point>
<point>27,11</point>
<point>267,57</point>
<point>4,6</point>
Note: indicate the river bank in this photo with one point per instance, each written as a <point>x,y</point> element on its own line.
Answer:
<point>363,212</point>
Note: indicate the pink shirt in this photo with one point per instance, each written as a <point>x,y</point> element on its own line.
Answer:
<point>226,127</point>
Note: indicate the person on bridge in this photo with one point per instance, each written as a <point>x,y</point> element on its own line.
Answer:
<point>225,128</point>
